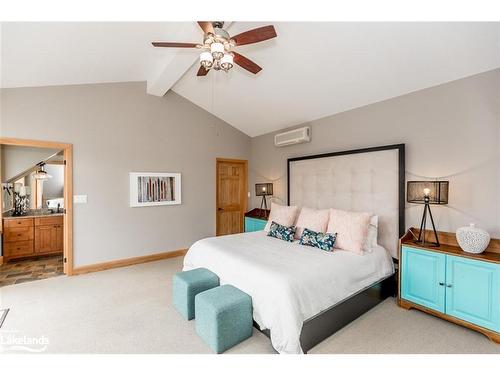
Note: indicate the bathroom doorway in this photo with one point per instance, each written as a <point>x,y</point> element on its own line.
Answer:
<point>36,215</point>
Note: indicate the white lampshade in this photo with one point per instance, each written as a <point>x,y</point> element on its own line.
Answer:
<point>217,50</point>
<point>41,174</point>
<point>206,59</point>
<point>227,61</point>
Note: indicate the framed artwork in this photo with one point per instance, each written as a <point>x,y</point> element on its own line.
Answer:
<point>154,189</point>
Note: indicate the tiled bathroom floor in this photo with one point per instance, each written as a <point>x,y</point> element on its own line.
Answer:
<point>21,271</point>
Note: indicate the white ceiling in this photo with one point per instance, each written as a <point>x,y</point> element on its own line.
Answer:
<point>310,70</point>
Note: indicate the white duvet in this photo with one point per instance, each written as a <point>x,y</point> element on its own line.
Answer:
<point>288,282</point>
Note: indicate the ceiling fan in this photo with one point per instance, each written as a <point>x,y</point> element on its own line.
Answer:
<point>217,47</point>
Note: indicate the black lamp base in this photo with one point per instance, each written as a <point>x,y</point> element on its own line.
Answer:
<point>421,235</point>
<point>263,203</point>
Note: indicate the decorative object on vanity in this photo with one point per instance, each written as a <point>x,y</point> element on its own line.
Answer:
<point>41,174</point>
<point>263,190</point>
<point>451,284</point>
<point>323,241</point>
<point>472,240</point>
<point>256,219</point>
<point>427,193</point>
<point>21,199</point>
<point>217,47</point>
<point>282,232</point>
<point>154,189</point>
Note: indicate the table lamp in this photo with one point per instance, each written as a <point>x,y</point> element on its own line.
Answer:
<point>427,193</point>
<point>263,190</point>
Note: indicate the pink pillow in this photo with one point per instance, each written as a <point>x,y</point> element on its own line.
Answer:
<point>351,229</point>
<point>316,220</point>
<point>283,215</point>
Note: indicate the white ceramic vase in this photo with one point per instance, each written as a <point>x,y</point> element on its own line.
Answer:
<point>472,240</point>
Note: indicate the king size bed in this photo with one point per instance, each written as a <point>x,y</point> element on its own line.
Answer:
<point>301,294</point>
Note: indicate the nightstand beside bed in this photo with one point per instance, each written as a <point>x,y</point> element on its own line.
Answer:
<point>256,220</point>
<point>451,284</point>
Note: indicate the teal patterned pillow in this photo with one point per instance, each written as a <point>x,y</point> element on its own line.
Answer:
<point>281,232</point>
<point>323,241</point>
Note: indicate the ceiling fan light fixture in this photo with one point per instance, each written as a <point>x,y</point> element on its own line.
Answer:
<point>206,60</point>
<point>217,50</point>
<point>227,61</point>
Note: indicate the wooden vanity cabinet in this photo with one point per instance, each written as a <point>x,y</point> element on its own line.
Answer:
<point>48,237</point>
<point>25,237</point>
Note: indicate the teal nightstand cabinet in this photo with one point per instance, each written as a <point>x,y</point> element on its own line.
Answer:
<point>256,220</point>
<point>473,291</point>
<point>253,225</point>
<point>423,277</point>
<point>451,284</point>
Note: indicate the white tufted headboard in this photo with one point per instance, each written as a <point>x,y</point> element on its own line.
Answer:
<point>369,180</point>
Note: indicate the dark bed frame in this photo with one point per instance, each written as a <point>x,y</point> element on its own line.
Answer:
<point>329,321</point>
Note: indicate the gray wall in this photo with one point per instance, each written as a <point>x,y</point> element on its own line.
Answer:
<point>16,159</point>
<point>451,131</point>
<point>117,129</point>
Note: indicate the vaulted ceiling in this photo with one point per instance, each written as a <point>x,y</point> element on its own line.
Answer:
<point>310,70</point>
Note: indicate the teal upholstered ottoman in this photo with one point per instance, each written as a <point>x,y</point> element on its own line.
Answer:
<point>224,317</point>
<point>187,284</point>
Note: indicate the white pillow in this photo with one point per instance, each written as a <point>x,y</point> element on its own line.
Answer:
<point>283,215</point>
<point>316,220</point>
<point>372,236</point>
<point>351,228</point>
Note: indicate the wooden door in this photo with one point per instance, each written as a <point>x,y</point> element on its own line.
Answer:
<point>423,278</point>
<point>231,196</point>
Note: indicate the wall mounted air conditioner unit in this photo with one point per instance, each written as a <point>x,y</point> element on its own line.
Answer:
<point>293,137</point>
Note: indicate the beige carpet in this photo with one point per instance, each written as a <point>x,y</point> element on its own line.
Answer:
<point>129,310</point>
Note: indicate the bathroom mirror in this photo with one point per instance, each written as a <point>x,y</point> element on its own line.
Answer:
<point>34,177</point>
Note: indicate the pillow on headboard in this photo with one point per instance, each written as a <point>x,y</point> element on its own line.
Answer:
<point>283,215</point>
<point>351,229</point>
<point>372,235</point>
<point>315,220</point>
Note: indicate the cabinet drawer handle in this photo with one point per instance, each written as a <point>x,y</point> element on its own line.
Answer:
<point>449,285</point>
<point>441,283</point>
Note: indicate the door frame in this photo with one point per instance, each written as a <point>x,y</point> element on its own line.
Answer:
<point>244,195</point>
<point>68,192</point>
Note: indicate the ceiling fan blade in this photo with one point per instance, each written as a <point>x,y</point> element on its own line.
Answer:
<point>206,26</point>
<point>246,63</point>
<point>256,35</point>
<point>174,44</point>
<point>202,71</point>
